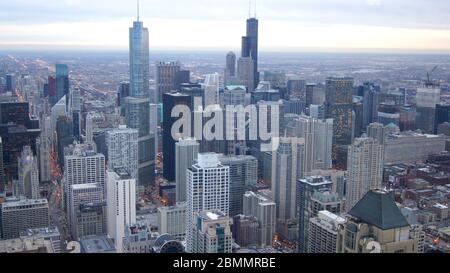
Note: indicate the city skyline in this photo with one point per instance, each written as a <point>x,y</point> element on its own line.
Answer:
<point>287,26</point>
<point>105,152</point>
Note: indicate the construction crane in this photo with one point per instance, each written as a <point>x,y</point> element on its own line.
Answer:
<point>429,83</point>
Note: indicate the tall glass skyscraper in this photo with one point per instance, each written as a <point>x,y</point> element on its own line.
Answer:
<point>250,46</point>
<point>62,82</point>
<point>138,104</point>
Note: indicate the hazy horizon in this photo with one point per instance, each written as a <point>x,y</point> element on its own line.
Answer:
<point>366,26</point>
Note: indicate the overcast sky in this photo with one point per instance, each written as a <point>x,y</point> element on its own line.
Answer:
<point>285,25</point>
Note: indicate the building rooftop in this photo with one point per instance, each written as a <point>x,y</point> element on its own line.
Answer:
<point>378,208</point>
<point>41,232</point>
<point>10,203</point>
<point>97,244</point>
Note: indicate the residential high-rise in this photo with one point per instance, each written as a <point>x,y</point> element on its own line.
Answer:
<point>250,47</point>
<point>186,151</point>
<point>212,233</point>
<point>121,204</point>
<point>86,168</point>
<point>230,68</point>
<point>243,175</point>
<point>305,188</point>
<point>323,233</point>
<point>211,88</point>
<point>286,169</point>
<point>165,78</point>
<point>28,174</point>
<point>18,215</point>
<point>426,100</point>
<point>260,205</point>
<point>339,106</point>
<point>318,136</point>
<point>122,146</point>
<point>139,60</point>
<point>376,131</point>
<point>137,111</point>
<point>245,73</point>
<point>208,185</point>
<point>170,100</point>
<point>365,169</point>
<point>172,220</point>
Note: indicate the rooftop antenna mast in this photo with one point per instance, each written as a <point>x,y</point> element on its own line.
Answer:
<point>255,8</point>
<point>249,8</point>
<point>138,10</point>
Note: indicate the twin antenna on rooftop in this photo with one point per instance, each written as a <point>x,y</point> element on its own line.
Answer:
<point>249,9</point>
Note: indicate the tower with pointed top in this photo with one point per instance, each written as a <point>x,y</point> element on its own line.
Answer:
<point>138,103</point>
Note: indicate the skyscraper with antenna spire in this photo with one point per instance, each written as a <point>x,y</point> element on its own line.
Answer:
<point>138,103</point>
<point>250,43</point>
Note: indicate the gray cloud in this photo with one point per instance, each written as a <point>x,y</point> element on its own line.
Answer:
<point>392,13</point>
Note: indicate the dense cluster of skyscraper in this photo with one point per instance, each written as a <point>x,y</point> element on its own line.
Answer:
<point>320,188</point>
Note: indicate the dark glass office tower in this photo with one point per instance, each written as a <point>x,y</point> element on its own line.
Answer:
<point>442,115</point>
<point>170,100</point>
<point>370,94</point>
<point>62,82</point>
<point>182,76</point>
<point>65,136</point>
<point>17,129</point>
<point>250,46</point>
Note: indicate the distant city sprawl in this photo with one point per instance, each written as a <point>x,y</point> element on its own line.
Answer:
<point>231,150</point>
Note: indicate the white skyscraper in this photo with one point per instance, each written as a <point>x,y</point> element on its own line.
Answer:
<point>323,233</point>
<point>318,137</point>
<point>172,220</point>
<point>92,119</point>
<point>211,89</point>
<point>365,169</point>
<point>83,166</point>
<point>122,146</point>
<point>186,151</point>
<point>121,204</point>
<point>286,170</point>
<point>261,206</point>
<point>28,174</point>
<point>207,189</point>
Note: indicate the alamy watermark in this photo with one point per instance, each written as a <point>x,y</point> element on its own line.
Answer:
<point>236,123</point>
